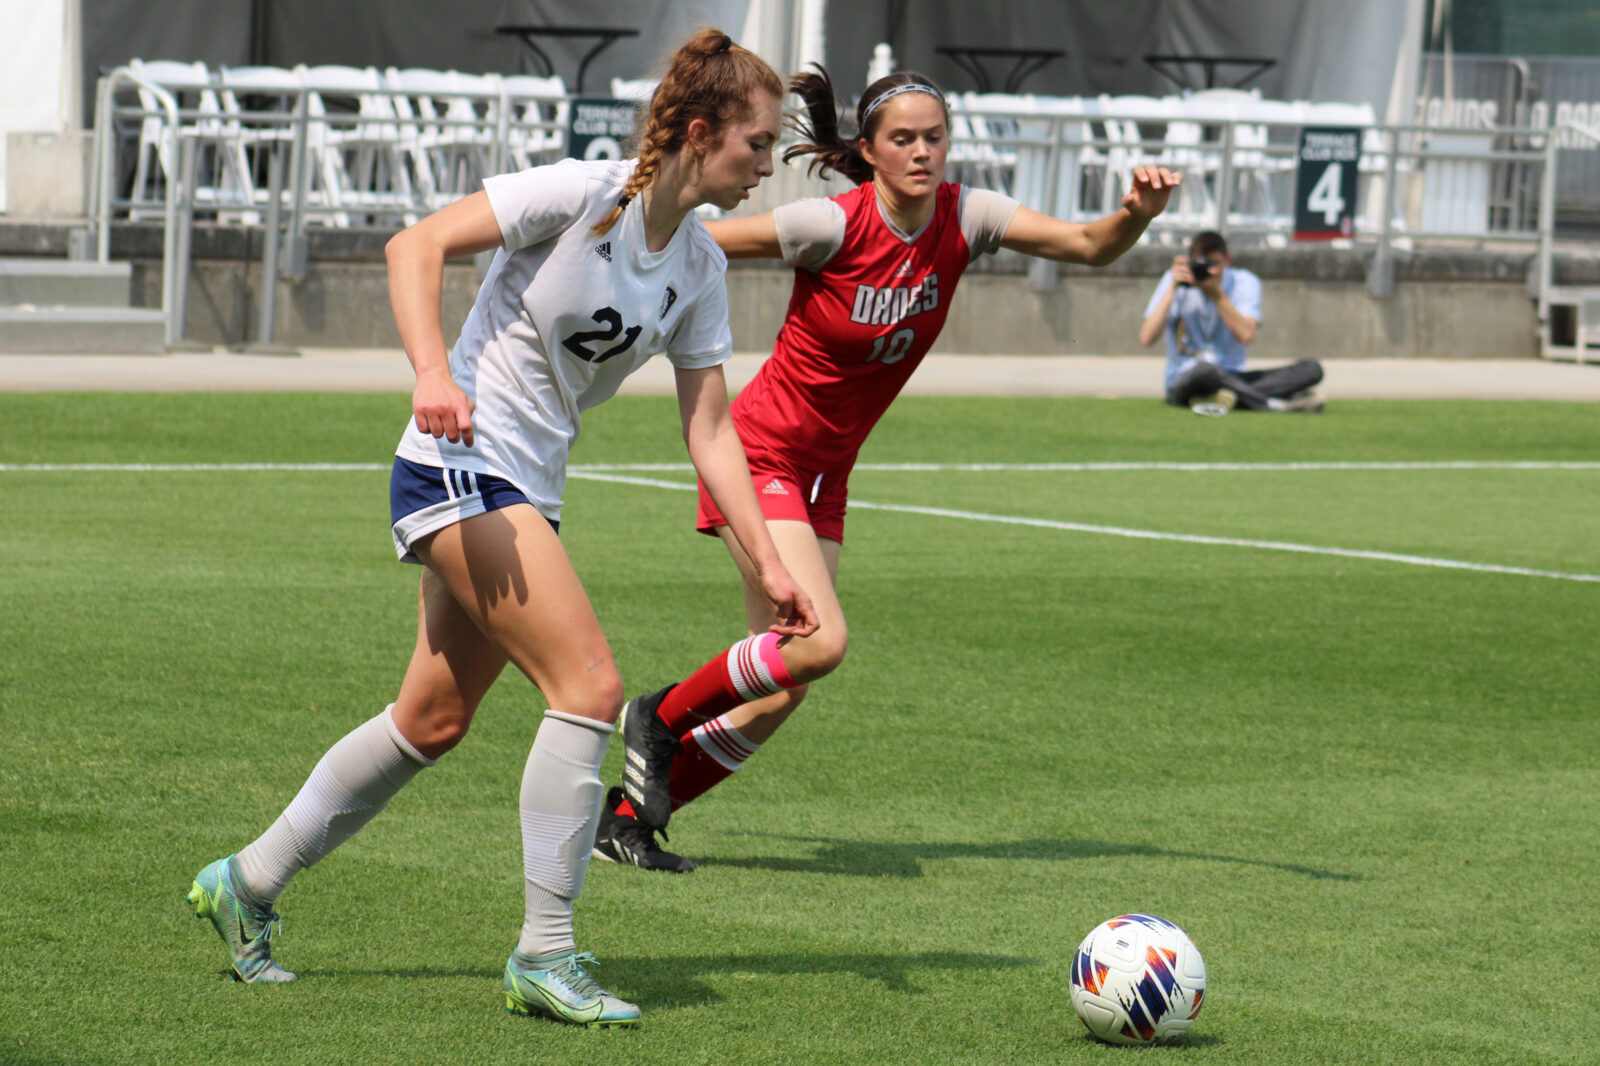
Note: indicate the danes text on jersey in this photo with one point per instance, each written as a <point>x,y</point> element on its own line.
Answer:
<point>890,304</point>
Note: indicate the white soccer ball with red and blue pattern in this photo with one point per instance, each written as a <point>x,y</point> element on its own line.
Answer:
<point>1138,979</point>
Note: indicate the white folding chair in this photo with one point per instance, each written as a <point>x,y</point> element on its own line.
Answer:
<point>447,121</point>
<point>973,159</point>
<point>353,137</point>
<point>258,106</point>
<point>637,89</point>
<point>537,122</point>
<point>222,177</point>
<point>1130,124</point>
<point>1253,165</point>
<point>1057,124</point>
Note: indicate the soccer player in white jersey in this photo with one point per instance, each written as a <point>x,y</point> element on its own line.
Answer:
<point>601,265</point>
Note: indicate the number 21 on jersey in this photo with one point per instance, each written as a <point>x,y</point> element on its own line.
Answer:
<point>607,317</point>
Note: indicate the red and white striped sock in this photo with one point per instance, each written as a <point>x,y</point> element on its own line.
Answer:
<point>710,755</point>
<point>748,671</point>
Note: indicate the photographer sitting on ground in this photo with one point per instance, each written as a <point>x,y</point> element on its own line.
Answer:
<point>1209,310</point>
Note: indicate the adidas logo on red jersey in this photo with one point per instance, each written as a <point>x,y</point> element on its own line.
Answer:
<point>774,488</point>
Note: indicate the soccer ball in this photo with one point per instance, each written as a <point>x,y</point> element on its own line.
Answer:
<point>1138,979</point>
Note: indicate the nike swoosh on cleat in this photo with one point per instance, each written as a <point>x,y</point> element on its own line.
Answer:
<point>560,1009</point>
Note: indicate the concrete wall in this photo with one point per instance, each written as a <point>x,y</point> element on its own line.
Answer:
<point>1300,318</point>
<point>337,305</point>
<point>346,305</point>
<point>1458,304</point>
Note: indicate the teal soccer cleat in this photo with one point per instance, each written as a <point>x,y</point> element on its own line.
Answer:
<point>565,991</point>
<point>247,932</point>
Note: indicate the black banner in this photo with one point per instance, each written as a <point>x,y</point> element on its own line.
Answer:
<point>599,127</point>
<point>1325,183</point>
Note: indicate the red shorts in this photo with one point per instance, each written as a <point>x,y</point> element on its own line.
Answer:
<point>789,494</point>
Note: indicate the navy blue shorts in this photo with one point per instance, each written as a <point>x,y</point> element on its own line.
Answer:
<point>425,499</point>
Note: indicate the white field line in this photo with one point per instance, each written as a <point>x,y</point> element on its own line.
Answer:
<point>886,467</point>
<point>142,468</point>
<point>602,472</point>
<point>1144,534</point>
<point>1096,467</point>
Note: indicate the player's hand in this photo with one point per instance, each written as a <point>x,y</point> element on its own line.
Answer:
<point>1152,188</point>
<point>441,408</point>
<point>790,604</point>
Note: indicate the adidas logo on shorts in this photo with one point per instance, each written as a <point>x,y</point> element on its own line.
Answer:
<point>774,488</point>
<point>603,250</point>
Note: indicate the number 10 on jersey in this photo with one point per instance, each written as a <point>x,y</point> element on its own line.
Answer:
<point>892,347</point>
<point>1325,184</point>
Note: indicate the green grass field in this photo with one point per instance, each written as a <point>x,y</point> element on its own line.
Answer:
<point>1366,785</point>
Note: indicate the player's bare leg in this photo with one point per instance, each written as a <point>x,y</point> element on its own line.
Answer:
<point>510,576</point>
<point>710,750</point>
<point>814,562</point>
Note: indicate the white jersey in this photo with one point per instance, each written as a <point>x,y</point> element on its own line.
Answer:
<point>563,316</point>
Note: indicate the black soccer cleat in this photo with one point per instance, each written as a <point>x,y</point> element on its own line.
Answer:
<point>627,840</point>
<point>647,760</point>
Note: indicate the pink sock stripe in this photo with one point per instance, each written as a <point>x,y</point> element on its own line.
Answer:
<point>723,743</point>
<point>751,667</point>
<point>768,645</point>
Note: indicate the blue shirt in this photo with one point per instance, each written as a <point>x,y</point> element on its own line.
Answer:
<point>1204,332</point>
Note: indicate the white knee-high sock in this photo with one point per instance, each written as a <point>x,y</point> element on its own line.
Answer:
<point>561,797</point>
<point>347,788</point>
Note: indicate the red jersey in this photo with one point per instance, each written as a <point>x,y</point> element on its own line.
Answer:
<point>855,330</point>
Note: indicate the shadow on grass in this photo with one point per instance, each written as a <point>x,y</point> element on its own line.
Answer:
<point>865,858</point>
<point>674,982</point>
<point>1189,1041</point>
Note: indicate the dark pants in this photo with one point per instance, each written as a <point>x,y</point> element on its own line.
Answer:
<point>1253,387</point>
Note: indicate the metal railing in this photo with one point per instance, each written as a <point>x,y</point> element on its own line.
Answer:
<point>1547,212</point>
<point>103,181</point>
<point>1240,173</point>
<point>1417,184</point>
<point>208,162</point>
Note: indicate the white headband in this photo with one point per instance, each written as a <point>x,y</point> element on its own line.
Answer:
<point>910,87</point>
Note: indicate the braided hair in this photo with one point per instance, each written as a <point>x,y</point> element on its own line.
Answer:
<point>709,78</point>
<point>819,129</point>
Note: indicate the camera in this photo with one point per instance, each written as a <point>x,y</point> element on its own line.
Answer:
<point>1201,268</point>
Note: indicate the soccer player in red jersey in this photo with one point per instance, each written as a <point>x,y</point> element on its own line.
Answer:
<point>875,269</point>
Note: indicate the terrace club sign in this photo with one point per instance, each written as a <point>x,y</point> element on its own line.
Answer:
<point>598,127</point>
<point>1325,182</point>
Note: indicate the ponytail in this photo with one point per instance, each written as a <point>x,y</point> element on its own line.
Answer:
<point>820,128</point>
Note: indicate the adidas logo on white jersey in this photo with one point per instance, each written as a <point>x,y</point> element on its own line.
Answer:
<point>603,250</point>
<point>774,488</point>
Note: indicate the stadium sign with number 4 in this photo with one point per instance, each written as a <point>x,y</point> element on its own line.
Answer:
<point>1325,183</point>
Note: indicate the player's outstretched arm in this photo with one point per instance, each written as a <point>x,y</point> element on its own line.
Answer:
<point>719,459</point>
<point>416,258</point>
<point>1103,240</point>
<point>752,237</point>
